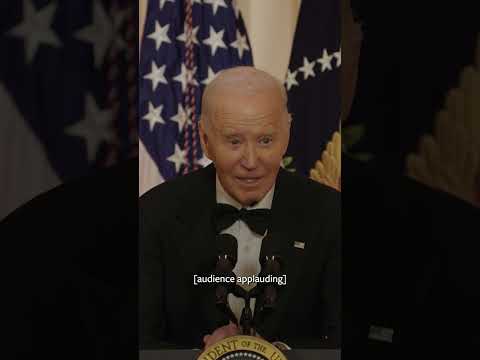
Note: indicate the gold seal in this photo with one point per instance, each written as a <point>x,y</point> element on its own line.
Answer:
<point>242,347</point>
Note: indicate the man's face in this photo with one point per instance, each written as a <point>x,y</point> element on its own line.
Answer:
<point>246,137</point>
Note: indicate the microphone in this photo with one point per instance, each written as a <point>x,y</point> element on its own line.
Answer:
<point>227,252</point>
<point>267,293</point>
<point>227,249</point>
<point>271,265</point>
<point>226,261</point>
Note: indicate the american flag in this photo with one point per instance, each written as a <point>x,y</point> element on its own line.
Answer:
<point>185,43</point>
<point>68,77</point>
<point>312,83</point>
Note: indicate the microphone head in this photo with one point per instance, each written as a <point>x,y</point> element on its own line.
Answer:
<point>227,245</point>
<point>270,251</point>
<point>272,264</point>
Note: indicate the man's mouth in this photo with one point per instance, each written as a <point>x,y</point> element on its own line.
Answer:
<point>248,180</point>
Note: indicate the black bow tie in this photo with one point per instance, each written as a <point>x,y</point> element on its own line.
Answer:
<point>256,219</point>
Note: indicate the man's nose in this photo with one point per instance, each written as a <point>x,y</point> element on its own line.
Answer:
<point>250,157</point>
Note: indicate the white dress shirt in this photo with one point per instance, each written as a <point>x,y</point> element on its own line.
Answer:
<point>249,244</point>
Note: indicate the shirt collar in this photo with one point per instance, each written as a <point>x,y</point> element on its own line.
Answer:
<point>224,198</point>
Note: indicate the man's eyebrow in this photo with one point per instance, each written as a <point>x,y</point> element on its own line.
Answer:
<point>270,130</point>
<point>229,133</point>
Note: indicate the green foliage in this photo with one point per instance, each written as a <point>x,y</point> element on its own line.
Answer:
<point>287,163</point>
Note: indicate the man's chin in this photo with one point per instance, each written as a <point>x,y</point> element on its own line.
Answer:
<point>248,192</point>
<point>250,198</point>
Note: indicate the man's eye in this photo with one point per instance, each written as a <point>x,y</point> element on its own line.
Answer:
<point>234,141</point>
<point>265,140</point>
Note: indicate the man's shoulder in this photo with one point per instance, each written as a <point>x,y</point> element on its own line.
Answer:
<point>308,190</point>
<point>311,207</point>
<point>309,199</point>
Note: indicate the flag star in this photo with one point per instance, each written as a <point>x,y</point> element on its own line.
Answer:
<point>325,60</point>
<point>216,4</point>
<point>203,161</point>
<point>183,37</point>
<point>181,118</point>
<point>160,35</point>
<point>338,56</point>
<point>162,3</point>
<point>191,77</point>
<point>215,40</point>
<point>290,81</point>
<point>119,17</point>
<point>101,33</point>
<point>35,28</point>
<point>157,75</point>
<point>307,68</point>
<point>182,77</point>
<point>95,128</point>
<point>154,115</point>
<point>210,77</point>
<point>240,44</point>
<point>186,77</point>
<point>178,158</point>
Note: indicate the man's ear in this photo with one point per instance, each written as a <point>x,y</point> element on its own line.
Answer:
<point>288,127</point>
<point>204,141</point>
<point>289,119</point>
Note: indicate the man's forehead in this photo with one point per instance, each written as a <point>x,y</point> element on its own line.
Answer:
<point>231,128</point>
<point>249,106</point>
<point>243,82</point>
<point>241,114</point>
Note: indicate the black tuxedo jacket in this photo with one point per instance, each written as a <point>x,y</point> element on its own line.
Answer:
<point>177,240</point>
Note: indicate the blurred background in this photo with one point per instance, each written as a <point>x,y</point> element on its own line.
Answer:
<point>68,81</point>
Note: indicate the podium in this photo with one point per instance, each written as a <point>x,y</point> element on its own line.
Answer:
<point>297,354</point>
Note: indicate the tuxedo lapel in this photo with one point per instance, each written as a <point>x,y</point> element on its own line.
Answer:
<point>196,238</point>
<point>194,220</point>
<point>283,236</point>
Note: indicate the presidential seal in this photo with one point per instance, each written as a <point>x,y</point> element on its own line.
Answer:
<point>242,347</point>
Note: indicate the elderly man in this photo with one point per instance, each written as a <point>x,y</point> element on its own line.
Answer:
<point>244,130</point>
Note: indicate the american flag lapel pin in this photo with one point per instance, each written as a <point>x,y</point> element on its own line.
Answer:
<point>299,245</point>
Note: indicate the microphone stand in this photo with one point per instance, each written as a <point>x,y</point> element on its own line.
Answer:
<point>266,295</point>
<point>222,305</point>
<point>249,322</point>
<point>224,267</point>
<point>246,319</point>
